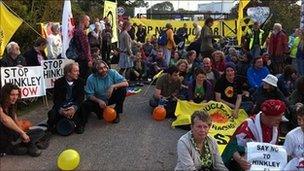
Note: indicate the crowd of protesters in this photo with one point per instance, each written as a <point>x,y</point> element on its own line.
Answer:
<point>259,73</point>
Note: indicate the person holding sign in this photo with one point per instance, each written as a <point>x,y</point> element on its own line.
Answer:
<point>228,90</point>
<point>104,87</point>
<point>294,143</point>
<point>14,140</point>
<point>262,127</point>
<point>196,150</point>
<point>67,97</point>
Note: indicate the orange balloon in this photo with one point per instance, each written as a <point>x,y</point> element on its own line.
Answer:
<point>159,113</point>
<point>109,114</point>
<point>24,124</point>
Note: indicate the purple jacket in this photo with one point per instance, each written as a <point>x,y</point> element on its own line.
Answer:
<point>209,92</point>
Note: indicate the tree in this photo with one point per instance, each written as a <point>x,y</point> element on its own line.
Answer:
<point>282,11</point>
<point>163,7</point>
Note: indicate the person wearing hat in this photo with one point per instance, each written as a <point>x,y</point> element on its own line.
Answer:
<point>268,90</point>
<point>262,127</point>
<point>65,116</point>
<point>104,87</point>
<point>228,90</point>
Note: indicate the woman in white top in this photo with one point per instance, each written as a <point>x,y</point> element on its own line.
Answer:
<point>294,142</point>
<point>196,150</point>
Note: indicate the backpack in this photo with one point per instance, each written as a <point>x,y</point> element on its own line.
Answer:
<point>162,39</point>
<point>72,52</point>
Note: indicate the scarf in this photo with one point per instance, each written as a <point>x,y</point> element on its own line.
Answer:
<point>256,129</point>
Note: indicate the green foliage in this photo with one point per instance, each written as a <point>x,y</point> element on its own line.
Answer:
<point>286,12</point>
<point>159,8</point>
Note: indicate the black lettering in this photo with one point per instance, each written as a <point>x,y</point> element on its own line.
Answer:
<point>220,139</point>
<point>6,72</point>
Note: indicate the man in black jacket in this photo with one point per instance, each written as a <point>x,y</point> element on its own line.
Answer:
<point>68,95</point>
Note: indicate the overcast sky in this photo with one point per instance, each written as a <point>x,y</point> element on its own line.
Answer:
<point>189,4</point>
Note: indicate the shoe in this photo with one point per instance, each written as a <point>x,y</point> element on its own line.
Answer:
<point>116,120</point>
<point>34,151</point>
<point>18,150</point>
<point>79,129</point>
<point>44,142</point>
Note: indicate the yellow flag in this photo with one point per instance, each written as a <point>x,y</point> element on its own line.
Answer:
<point>110,11</point>
<point>9,23</point>
<point>223,123</point>
<point>242,5</point>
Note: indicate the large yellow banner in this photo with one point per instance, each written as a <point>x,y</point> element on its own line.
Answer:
<point>223,124</point>
<point>9,23</point>
<point>225,28</point>
<point>110,11</point>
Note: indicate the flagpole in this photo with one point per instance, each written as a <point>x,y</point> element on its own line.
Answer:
<point>21,19</point>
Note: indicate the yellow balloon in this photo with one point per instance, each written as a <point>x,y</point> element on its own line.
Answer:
<point>68,160</point>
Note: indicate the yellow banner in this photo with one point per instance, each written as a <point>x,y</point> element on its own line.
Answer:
<point>110,11</point>
<point>9,23</point>
<point>225,28</point>
<point>223,124</point>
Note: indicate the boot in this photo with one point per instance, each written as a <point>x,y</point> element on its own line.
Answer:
<point>33,150</point>
<point>117,119</point>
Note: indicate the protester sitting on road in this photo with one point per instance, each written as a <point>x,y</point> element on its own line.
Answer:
<point>104,87</point>
<point>156,63</point>
<point>13,57</point>
<point>228,90</point>
<point>184,77</point>
<point>287,81</point>
<point>218,61</point>
<point>256,73</point>
<point>200,89</point>
<point>196,150</point>
<point>138,72</point>
<point>262,127</point>
<point>175,58</point>
<point>68,96</point>
<point>268,91</point>
<point>294,142</point>
<point>167,91</point>
<point>35,55</point>
<point>296,100</point>
<point>14,140</point>
<point>232,56</point>
<point>212,74</point>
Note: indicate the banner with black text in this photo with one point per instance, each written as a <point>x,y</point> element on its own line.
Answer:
<point>29,79</point>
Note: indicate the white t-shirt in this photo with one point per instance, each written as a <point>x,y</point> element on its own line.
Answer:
<point>294,143</point>
<point>54,47</point>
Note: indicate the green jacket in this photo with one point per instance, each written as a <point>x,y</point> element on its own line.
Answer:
<point>250,35</point>
<point>294,46</point>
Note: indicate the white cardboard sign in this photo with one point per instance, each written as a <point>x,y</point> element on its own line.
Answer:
<point>265,156</point>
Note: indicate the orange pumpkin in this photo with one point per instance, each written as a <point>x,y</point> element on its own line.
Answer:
<point>24,124</point>
<point>109,114</point>
<point>159,113</point>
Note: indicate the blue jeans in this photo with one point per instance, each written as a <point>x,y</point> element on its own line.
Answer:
<point>300,65</point>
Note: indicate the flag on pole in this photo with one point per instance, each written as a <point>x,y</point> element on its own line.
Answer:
<point>110,11</point>
<point>68,27</point>
<point>9,23</point>
<point>242,5</point>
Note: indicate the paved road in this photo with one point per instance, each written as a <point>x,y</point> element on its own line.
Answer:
<point>136,143</point>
